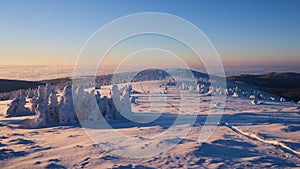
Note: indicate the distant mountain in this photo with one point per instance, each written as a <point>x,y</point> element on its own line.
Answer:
<point>283,84</point>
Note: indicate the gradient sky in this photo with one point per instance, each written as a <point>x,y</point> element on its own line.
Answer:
<point>243,32</point>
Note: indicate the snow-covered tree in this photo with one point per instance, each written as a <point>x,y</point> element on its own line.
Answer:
<point>183,86</point>
<point>17,107</point>
<point>191,88</point>
<point>53,109</point>
<point>125,103</point>
<point>30,93</point>
<point>115,102</point>
<point>104,106</point>
<point>41,94</point>
<point>66,112</point>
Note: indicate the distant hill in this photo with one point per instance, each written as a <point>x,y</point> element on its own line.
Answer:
<point>7,85</point>
<point>158,74</point>
<point>60,82</point>
<point>283,84</point>
<point>151,74</point>
<point>11,85</point>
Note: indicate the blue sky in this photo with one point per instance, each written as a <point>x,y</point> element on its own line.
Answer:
<point>243,32</point>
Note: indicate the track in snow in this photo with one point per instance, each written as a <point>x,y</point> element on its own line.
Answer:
<point>271,142</point>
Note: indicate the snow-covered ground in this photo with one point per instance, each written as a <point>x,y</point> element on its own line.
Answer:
<point>247,136</point>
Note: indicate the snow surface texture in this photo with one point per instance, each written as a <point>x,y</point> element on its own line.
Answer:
<point>249,136</point>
